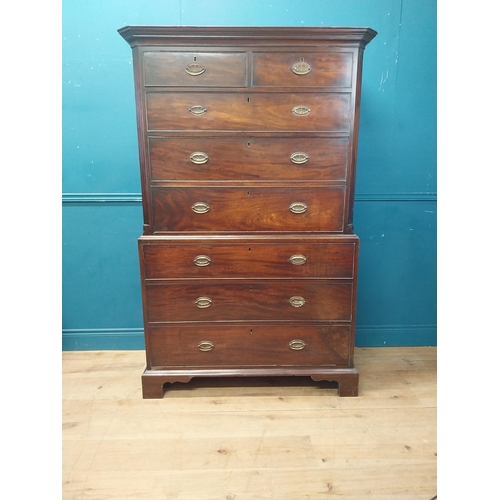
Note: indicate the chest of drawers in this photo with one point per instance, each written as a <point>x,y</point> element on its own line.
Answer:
<point>247,146</point>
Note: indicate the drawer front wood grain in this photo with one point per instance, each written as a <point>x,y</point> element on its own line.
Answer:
<point>263,158</point>
<point>195,69</point>
<point>218,300</point>
<point>248,208</point>
<point>327,69</point>
<point>248,345</point>
<point>248,111</point>
<point>248,260</point>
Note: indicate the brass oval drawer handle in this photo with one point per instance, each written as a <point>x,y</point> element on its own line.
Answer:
<point>298,260</point>
<point>301,110</point>
<point>299,158</point>
<point>202,260</point>
<point>297,301</point>
<point>298,208</point>
<point>197,110</point>
<point>199,158</point>
<point>195,69</point>
<point>203,302</point>
<point>301,68</point>
<point>205,345</point>
<point>200,208</point>
<point>297,345</point>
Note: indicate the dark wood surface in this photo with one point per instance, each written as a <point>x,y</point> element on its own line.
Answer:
<point>248,112</point>
<point>325,300</point>
<point>248,208</point>
<point>330,69</point>
<point>247,146</point>
<point>222,69</point>
<point>254,258</point>
<point>265,159</point>
<point>261,36</point>
<point>237,345</point>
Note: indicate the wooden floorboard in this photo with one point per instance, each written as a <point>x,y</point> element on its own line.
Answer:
<point>239,439</point>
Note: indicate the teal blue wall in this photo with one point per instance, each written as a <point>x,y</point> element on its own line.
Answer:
<point>395,204</point>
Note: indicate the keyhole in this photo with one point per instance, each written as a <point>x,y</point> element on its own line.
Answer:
<point>248,99</point>
<point>248,144</point>
<point>301,59</point>
<point>250,288</point>
<point>249,249</point>
<point>194,58</point>
<point>248,193</point>
<point>251,330</point>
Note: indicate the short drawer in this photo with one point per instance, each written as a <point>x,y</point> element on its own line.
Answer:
<point>195,69</point>
<point>306,258</point>
<point>248,208</point>
<point>321,69</point>
<point>219,300</point>
<point>248,345</point>
<point>243,111</point>
<point>200,159</point>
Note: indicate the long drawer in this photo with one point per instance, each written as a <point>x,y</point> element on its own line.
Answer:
<point>278,111</point>
<point>248,209</point>
<point>201,159</point>
<point>248,345</point>
<point>252,300</point>
<point>164,258</point>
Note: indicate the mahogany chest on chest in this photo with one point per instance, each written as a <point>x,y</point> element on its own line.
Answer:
<point>247,145</point>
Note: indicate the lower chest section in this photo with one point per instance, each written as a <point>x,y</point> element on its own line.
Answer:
<point>249,301</point>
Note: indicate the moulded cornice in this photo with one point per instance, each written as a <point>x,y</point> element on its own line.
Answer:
<point>193,35</point>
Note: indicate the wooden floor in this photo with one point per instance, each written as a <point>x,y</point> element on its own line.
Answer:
<point>239,439</point>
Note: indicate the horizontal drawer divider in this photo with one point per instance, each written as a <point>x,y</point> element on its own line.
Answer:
<point>192,134</point>
<point>159,281</point>
<point>243,322</point>
<point>228,233</point>
<point>254,132</point>
<point>256,237</point>
<point>260,322</point>
<point>245,281</point>
<point>250,89</point>
<point>264,183</point>
<point>277,370</point>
